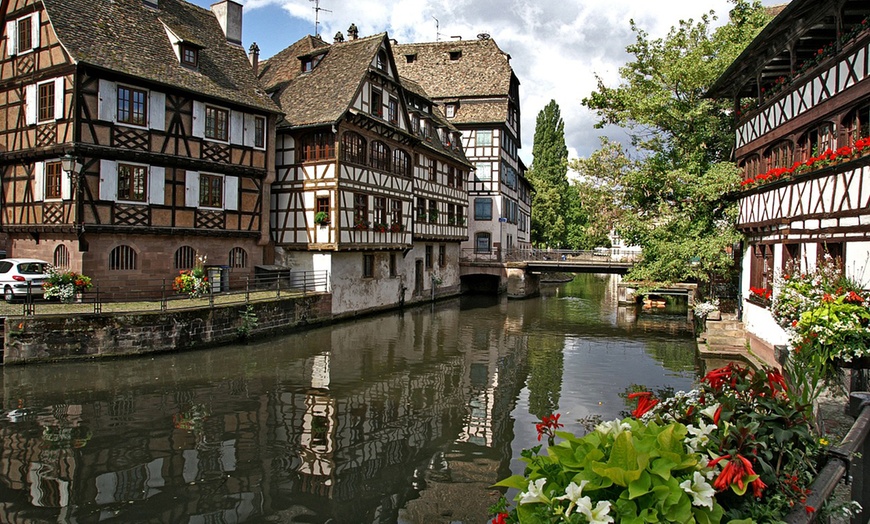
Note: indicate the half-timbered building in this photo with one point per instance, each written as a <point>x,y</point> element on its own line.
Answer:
<point>473,82</point>
<point>801,93</point>
<point>369,175</point>
<point>134,138</point>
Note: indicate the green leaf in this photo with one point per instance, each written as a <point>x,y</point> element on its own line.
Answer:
<point>514,481</point>
<point>639,487</point>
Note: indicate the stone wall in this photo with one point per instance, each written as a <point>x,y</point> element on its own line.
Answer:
<point>48,338</point>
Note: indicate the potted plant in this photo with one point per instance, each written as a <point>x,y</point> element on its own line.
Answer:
<point>380,227</point>
<point>361,225</point>
<point>65,285</point>
<point>192,282</point>
<point>321,218</point>
<point>397,227</point>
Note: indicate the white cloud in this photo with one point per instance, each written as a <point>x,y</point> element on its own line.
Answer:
<point>557,47</point>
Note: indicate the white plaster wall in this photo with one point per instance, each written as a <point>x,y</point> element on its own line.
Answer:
<point>858,262</point>
<point>759,321</point>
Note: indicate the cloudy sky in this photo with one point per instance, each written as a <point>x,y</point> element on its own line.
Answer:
<point>556,47</point>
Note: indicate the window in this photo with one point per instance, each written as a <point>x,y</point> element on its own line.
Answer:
<point>189,55</point>
<point>791,255</point>
<point>428,256</point>
<point>451,214</point>
<point>761,267</point>
<point>377,107</point>
<point>451,176</point>
<point>353,148</point>
<point>450,110</point>
<point>211,190</point>
<point>322,205</point>
<point>380,210</point>
<point>123,258</point>
<point>132,106</point>
<point>859,123</point>
<point>368,266</point>
<point>817,141</point>
<point>484,137</point>
<point>381,62</point>
<point>396,212</point>
<point>393,111</point>
<point>185,257</point>
<point>318,146</point>
<point>310,62</point>
<point>132,181</point>
<point>260,132</point>
<point>45,101</point>
<point>750,167</point>
<point>53,177</point>
<point>460,174</point>
<point>401,163</point>
<point>442,255</point>
<point>25,34</point>
<point>238,258</point>
<point>380,156</point>
<point>482,172</point>
<point>415,124</point>
<point>217,123</point>
<point>455,55</point>
<point>360,209</point>
<point>393,267</point>
<point>61,256</point>
<point>483,209</point>
<point>411,58</point>
<point>433,211</point>
<point>482,243</point>
<point>421,210</point>
<point>433,170</point>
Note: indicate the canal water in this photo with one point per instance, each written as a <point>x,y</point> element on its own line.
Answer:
<point>403,417</point>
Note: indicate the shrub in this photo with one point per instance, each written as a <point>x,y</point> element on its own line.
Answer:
<point>64,285</point>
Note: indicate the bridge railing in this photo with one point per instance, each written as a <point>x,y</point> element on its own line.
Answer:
<point>594,256</point>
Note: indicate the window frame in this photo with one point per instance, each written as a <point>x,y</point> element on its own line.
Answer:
<point>130,105</point>
<point>123,258</point>
<point>368,265</point>
<point>320,143</point>
<point>50,106</point>
<point>379,155</point>
<point>219,181</point>
<point>53,182</point>
<point>184,51</point>
<point>28,34</point>
<point>401,162</point>
<point>478,214</point>
<point>353,148</point>
<point>478,238</point>
<point>360,208</point>
<point>212,132</point>
<point>136,170</point>
<point>480,134</point>
<point>260,132</point>
<point>376,103</point>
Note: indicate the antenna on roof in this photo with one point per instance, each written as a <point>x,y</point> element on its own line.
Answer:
<point>437,30</point>
<point>317,10</point>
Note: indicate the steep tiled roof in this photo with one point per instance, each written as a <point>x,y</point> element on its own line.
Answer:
<point>480,67</point>
<point>481,111</point>
<point>129,37</point>
<point>323,94</point>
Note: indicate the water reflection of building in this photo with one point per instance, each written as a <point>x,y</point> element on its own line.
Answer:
<point>239,435</point>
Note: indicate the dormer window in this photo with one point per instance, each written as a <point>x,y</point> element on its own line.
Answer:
<point>310,62</point>
<point>189,55</point>
<point>411,58</point>
<point>455,55</point>
<point>450,110</point>
<point>381,62</point>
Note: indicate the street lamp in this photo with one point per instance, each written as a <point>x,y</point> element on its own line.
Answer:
<point>71,165</point>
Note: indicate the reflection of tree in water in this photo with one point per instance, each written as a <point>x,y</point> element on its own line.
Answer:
<point>673,357</point>
<point>546,362</point>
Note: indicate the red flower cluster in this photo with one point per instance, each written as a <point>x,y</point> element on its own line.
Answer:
<point>548,426</point>
<point>854,298</point>
<point>501,518</point>
<point>645,402</point>
<point>829,155</point>
<point>738,470</point>
<point>761,292</point>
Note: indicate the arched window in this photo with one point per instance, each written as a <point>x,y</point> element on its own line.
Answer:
<point>184,257</point>
<point>751,167</point>
<point>381,62</point>
<point>318,146</point>
<point>61,256</point>
<point>380,156</point>
<point>780,154</point>
<point>123,258</point>
<point>353,148</point>
<point>238,258</point>
<point>858,124</point>
<point>483,243</point>
<point>401,163</point>
<point>818,140</point>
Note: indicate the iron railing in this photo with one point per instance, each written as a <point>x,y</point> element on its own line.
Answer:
<point>594,256</point>
<point>161,296</point>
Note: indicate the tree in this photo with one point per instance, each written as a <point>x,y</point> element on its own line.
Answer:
<point>666,195</point>
<point>549,177</point>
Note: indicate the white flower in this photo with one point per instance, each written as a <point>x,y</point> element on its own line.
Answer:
<point>573,493</point>
<point>702,493</point>
<point>710,411</point>
<point>535,493</point>
<point>613,426</point>
<point>597,515</point>
<point>700,435</point>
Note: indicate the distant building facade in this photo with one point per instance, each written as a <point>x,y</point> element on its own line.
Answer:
<point>472,80</point>
<point>801,93</point>
<point>370,175</point>
<point>135,139</point>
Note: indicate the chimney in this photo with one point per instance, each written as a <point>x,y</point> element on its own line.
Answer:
<point>353,32</point>
<point>339,38</point>
<point>254,56</point>
<point>229,16</point>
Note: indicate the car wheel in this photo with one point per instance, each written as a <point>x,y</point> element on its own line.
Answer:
<point>8,294</point>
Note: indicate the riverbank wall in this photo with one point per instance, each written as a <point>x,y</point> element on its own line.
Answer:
<point>46,338</point>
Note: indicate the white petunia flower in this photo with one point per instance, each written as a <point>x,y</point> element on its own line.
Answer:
<point>613,426</point>
<point>535,493</point>
<point>573,493</point>
<point>710,411</point>
<point>598,514</point>
<point>702,492</point>
<point>700,435</point>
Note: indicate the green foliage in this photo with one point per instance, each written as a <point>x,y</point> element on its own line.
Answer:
<point>64,285</point>
<point>249,322</point>
<point>667,199</point>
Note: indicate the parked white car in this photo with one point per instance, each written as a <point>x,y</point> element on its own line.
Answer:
<point>19,274</point>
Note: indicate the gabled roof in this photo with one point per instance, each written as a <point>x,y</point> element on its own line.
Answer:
<point>480,68</point>
<point>130,38</point>
<point>324,94</point>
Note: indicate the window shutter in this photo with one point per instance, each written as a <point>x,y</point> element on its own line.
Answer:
<point>108,180</point>
<point>198,119</point>
<point>34,29</point>
<point>157,110</point>
<point>30,104</point>
<point>12,37</point>
<point>237,122</point>
<point>108,103</point>
<point>191,189</point>
<point>157,185</point>
<point>250,126</point>
<point>38,181</point>
<point>231,193</point>
<point>58,98</point>
<point>65,185</point>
